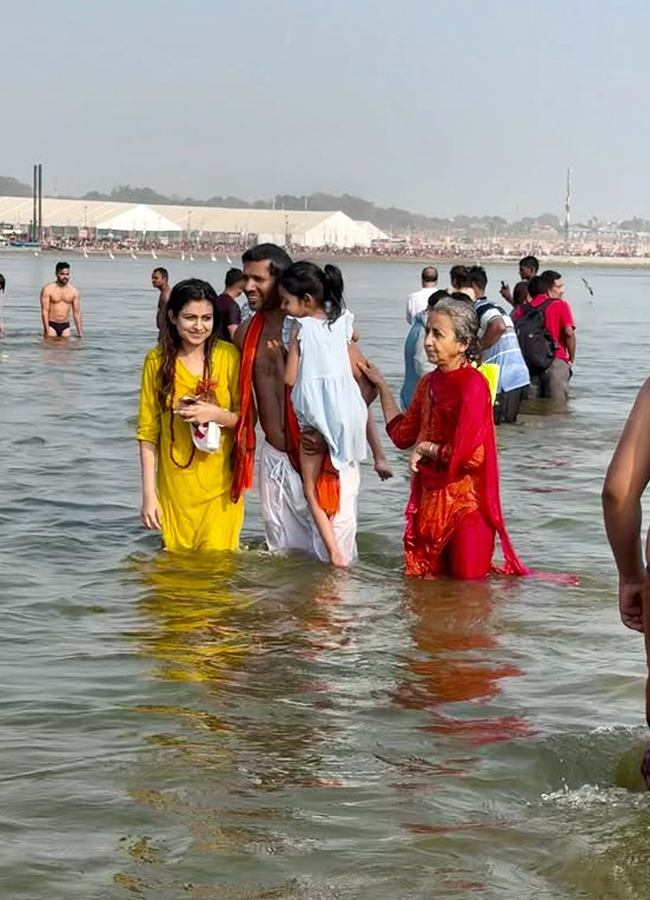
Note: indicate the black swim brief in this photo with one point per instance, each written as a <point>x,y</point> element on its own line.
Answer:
<point>59,327</point>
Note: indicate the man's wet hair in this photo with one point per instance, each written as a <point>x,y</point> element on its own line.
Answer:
<point>60,266</point>
<point>277,258</point>
<point>161,270</point>
<point>477,275</point>
<point>548,279</point>
<point>233,276</point>
<point>530,262</point>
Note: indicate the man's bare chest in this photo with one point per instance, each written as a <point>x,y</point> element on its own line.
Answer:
<point>270,359</point>
<point>61,298</point>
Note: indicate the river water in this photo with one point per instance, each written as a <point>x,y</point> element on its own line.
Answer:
<point>255,727</point>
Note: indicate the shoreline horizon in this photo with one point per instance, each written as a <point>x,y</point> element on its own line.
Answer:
<point>626,262</point>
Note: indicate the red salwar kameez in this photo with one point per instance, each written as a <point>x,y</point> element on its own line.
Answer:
<point>454,511</point>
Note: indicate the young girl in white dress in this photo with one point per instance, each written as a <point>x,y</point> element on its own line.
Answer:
<point>325,395</point>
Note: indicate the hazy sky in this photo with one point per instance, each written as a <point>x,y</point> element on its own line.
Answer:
<point>440,106</point>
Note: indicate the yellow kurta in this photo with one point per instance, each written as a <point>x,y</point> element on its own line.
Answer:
<point>196,510</point>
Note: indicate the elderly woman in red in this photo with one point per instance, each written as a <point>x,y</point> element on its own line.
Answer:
<point>454,511</point>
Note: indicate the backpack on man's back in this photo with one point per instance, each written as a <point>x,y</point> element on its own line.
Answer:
<point>537,345</point>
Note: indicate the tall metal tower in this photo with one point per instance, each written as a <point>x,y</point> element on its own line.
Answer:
<point>567,207</point>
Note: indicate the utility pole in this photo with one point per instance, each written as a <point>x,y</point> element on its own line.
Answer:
<point>39,232</point>
<point>567,207</point>
<point>34,228</point>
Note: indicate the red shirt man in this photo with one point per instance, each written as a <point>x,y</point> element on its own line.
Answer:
<point>553,384</point>
<point>557,315</point>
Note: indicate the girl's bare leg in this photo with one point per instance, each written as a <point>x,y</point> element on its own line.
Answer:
<point>310,465</point>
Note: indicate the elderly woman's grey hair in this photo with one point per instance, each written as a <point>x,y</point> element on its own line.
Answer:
<point>464,321</point>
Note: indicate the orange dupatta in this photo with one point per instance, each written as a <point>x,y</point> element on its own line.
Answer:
<point>244,448</point>
<point>328,485</point>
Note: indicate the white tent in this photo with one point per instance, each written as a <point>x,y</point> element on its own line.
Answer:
<point>307,228</point>
<point>139,219</point>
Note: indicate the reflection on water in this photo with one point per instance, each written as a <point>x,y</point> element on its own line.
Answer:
<point>249,727</point>
<point>257,726</point>
<point>458,661</point>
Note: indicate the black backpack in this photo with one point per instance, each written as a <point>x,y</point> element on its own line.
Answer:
<point>537,345</point>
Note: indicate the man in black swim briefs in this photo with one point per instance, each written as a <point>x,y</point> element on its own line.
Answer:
<point>58,300</point>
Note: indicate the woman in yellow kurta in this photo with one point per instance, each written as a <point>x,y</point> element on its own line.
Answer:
<point>185,491</point>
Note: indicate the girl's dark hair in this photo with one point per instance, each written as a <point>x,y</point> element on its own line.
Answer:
<point>183,293</point>
<point>324,285</point>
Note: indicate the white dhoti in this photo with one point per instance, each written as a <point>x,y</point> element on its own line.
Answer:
<point>288,523</point>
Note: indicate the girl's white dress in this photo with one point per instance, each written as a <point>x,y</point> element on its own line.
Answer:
<point>326,396</point>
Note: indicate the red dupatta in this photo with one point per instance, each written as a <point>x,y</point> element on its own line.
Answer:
<point>244,449</point>
<point>467,390</point>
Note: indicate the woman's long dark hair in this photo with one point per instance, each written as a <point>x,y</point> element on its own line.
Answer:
<point>324,285</point>
<point>183,293</point>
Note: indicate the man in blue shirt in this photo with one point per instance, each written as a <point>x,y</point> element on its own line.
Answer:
<point>500,345</point>
<point>416,363</point>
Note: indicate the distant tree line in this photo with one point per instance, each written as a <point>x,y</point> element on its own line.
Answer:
<point>387,218</point>
<point>11,187</point>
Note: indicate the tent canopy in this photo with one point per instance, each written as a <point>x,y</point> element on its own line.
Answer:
<point>139,219</point>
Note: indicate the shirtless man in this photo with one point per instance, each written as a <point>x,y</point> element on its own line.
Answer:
<point>287,521</point>
<point>160,280</point>
<point>58,299</point>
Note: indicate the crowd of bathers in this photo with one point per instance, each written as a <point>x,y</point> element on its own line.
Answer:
<point>290,369</point>
<point>279,392</point>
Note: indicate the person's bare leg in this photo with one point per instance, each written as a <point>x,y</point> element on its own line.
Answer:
<point>372,436</point>
<point>310,466</point>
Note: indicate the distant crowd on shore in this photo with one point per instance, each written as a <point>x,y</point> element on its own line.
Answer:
<point>381,249</point>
